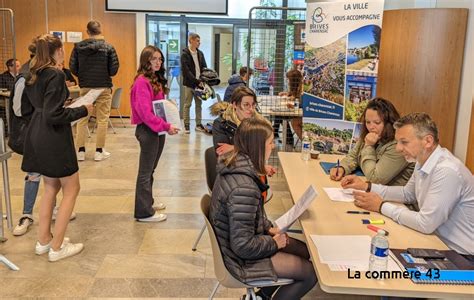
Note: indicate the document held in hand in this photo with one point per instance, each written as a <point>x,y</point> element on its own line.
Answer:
<point>284,222</point>
<point>88,98</point>
<point>168,111</point>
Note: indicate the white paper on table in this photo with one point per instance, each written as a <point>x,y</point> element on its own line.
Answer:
<point>344,266</point>
<point>338,194</point>
<point>284,222</point>
<point>167,110</point>
<point>333,250</point>
<point>88,98</point>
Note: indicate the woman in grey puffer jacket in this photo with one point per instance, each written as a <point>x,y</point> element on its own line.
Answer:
<point>252,249</point>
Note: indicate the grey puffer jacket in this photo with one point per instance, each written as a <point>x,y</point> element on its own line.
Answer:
<point>240,222</point>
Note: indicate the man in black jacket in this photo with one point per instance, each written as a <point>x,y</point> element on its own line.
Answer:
<point>192,64</point>
<point>94,62</point>
<point>7,78</point>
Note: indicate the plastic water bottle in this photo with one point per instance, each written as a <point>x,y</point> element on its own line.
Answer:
<point>270,90</point>
<point>378,252</point>
<point>305,147</point>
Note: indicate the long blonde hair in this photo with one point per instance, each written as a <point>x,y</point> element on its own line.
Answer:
<point>46,46</point>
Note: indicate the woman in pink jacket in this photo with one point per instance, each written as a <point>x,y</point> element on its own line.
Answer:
<point>150,84</point>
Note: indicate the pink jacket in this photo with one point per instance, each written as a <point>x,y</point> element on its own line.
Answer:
<point>141,97</point>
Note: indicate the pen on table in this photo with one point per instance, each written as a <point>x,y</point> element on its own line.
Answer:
<point>337,168</point>
<point>358,212</point>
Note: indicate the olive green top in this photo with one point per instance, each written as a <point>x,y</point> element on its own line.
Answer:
<point>381,163</point>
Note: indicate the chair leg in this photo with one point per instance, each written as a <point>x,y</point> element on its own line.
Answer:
<point>111,125</point>
<point>121,119</point>
<point>250,294</point>
<point>214,291</point>
<point>88,131</point>
<point>198,238</point>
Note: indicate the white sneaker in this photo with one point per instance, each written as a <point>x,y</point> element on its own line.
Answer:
<point>81,156</point>
<point>98,156</point>
<point>23,224</point>
<point>155,218</point>
<point>66,250</point>
<point>42,249</point>
<point>55,212</point>
<point>159,206</point>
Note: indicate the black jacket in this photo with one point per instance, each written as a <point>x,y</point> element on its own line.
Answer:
<point>94,62</point>
<point>49,146</point>
<point>240,222</point>
<point>7,80</point>
<point>189,69</point>
<point>223,131</point>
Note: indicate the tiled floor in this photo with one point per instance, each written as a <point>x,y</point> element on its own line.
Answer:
<point>123,258</point>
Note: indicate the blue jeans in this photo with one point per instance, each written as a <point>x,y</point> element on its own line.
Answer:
<point>32,181</point>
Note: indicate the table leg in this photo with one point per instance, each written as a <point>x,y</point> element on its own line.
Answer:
<point>284,135</point>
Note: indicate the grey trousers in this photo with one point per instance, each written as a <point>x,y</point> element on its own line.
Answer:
<point>188,101</point>
<point>151,147</point>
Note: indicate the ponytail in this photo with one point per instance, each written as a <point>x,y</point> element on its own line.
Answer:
<point>46,45</point>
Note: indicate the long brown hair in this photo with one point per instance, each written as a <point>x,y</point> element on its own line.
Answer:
<point>250,140</point>
<point>157,79</point>
<point>387,112</point>
<point>46,46</point>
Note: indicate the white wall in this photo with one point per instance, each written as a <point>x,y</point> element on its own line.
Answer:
<point>141,34</point>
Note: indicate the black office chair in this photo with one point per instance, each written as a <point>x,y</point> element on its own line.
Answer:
<point>210,161</point>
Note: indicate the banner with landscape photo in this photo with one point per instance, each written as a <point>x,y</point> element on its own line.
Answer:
<point>340,68</point>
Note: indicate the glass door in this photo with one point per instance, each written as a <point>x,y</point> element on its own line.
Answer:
<point>166,36</point>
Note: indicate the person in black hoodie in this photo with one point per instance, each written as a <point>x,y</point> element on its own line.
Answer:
<point>237,80</point>
<point>192,65</point>
<point>94,62</point>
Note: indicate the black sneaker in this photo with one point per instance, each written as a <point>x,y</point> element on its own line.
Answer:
<point>186,128</point>
<point>200,128</point>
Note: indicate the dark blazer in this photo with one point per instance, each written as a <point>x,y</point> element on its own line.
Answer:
<point>94,62</point>
<point>239,220</point>
<point>49,146</point>
<point>189,68</point>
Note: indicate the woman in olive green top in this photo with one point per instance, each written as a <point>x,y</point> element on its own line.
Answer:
<point>375,152</point>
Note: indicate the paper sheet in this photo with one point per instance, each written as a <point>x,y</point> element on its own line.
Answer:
<point>338,194</point>
<point>284,222</point>
<point>88,98</point>
<point>333,250</point>
<point>167,110</point>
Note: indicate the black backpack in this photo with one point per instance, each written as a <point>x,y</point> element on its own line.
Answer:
<point>19,124</point>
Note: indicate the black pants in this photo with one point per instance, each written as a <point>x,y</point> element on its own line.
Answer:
<point>151,147</point>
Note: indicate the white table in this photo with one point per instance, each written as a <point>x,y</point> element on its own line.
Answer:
<point>326,217</point>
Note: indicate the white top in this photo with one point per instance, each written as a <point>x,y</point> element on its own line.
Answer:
<point>444,190</point>
<point>194,54</point>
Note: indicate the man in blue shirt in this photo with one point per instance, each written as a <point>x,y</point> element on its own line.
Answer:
<point>441,185</point>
